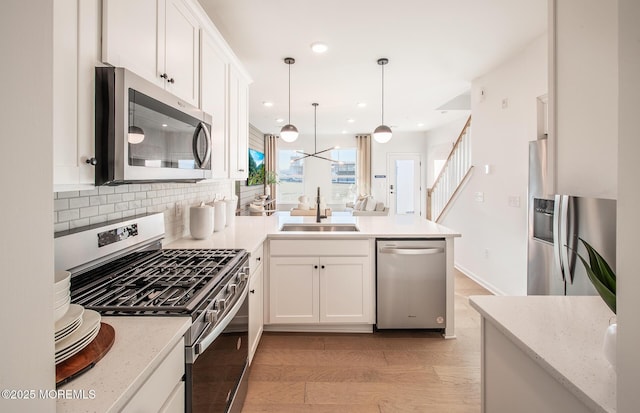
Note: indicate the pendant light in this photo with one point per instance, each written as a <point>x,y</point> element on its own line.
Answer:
<point>135,134</point>
<point>289,133</point>
<point>382,134</point>
<point>315,142</point>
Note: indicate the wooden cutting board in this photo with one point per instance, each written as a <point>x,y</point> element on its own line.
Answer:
<point>87,358</point>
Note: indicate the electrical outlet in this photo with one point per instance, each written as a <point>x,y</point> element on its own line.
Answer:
<point>479,196</point>
<point>486,253</point>
<point>505,103</point>
<point>514,201</point>
<point>178,209</point>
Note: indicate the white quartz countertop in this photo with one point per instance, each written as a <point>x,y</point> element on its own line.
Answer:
<point>140,345</point>
<point>248,232</point>
<point>564,335</point>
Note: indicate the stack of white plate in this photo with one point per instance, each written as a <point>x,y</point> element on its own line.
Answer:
<point>75,327</point>
<point>71,340</point>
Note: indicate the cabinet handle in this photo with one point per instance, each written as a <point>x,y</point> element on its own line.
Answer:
<point>171,80</point>
<point>92,161</point>
<point>315,266</point>
<point>164,76</point>
<point>322,267</point>
<point>258,259</point>
<point>240,170</point>
<point>252,291</point>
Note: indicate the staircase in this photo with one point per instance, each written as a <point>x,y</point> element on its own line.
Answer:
<point>453,175</point>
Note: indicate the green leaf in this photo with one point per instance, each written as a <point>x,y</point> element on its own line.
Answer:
<point>607,295</point>
<point>600,267</point>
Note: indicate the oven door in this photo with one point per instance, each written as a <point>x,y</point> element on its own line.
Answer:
<point>216,380</point>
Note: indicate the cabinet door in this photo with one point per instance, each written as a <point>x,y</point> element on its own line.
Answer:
<point>255,310</point>
<point>181,51</point>
<point>293,290</point>
<point>238,125</point>
<point>213,100</point>
<point>345,290</point>
<point>76,46</point>
<point>130,36</point>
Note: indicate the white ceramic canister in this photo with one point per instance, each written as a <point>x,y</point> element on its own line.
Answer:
<point>219,216</point>
<point>232,204</point>
<point>201,221</point>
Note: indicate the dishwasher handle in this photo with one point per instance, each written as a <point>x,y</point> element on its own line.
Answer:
<point>411,250</point>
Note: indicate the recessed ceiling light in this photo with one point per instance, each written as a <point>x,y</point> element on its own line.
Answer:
<point>164,125</point>
<point>344,132</point>
<point>362,104</point>
<point>267,104</point>
<point>319,47</point>
<point>279,120</point>
<point>351,120</point>
<point>420,124</point>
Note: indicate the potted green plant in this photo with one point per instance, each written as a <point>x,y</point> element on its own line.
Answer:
<point>603,279</point>
<point>270,178</point>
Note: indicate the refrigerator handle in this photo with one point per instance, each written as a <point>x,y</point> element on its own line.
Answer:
<point>559,221</point>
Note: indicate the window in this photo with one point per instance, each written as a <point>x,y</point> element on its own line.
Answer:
<point>290,175</point>
<point>343,176</point>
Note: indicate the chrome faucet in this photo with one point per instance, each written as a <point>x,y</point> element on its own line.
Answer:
<point>318,216</point>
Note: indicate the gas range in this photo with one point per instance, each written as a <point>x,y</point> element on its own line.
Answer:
<point>119,269</point>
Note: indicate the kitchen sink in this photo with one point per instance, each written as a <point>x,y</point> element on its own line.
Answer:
<point>320,227</point>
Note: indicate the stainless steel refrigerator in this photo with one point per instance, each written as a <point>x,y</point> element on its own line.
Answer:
<point>555,224</point>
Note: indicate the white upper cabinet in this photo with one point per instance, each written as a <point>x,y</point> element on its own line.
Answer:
<point>213,100</point>
<point>238,125</point>
<point>157,39</point>
<point>76,52</point>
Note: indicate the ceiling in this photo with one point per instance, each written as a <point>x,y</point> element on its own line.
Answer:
<point>435,49</point>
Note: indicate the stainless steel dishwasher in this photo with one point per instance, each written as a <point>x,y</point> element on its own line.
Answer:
<point>411,283</point>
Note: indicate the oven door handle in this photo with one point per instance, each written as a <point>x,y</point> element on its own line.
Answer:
<point>202,344</point>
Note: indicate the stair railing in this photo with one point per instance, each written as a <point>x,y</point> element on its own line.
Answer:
<point>452,175</point>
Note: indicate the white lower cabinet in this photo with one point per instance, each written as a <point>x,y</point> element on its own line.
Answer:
<point>331,289</point>
<point>164,389</point>
<point>256,300</point>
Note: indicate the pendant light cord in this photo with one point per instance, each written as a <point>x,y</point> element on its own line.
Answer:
<point>289,64</point>
<point>382,94</point>
<point>315,132</point>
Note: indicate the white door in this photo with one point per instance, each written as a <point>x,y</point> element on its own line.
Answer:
<point>344,290</point>
<point>293,290</point>
<point>404,188</point>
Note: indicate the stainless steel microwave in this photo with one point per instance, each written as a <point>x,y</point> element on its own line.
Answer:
<point>146,134</point>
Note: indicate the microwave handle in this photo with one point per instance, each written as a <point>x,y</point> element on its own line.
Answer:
<point>200,162</point>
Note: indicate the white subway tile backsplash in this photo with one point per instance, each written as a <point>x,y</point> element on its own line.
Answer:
<point>62,226</point>
<point>79,223</point>
<point>75,209</point>
<point>68,215</point>
<point>79,202</point>
<point>69,194</point>
<point>60,204</point>
<point>98,200</point>
<point>106,209</point>
<point>87,212</point>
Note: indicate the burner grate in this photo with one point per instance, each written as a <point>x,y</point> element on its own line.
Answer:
<point>162,281</point>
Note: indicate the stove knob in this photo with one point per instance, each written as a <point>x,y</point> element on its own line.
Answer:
<point>211,316</point>
<point>243,276</point>
<point>220,304</point>
<point>232,288</point>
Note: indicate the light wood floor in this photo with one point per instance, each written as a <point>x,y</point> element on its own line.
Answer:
<point>384,372</point>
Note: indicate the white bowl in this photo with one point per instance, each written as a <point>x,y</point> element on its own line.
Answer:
<point>62,281</point>
<point>60,311</point>
<point>59,295</point>
<point>62,301</point>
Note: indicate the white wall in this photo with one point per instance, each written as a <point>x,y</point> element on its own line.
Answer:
<point>586,99</point>
<point>493,247</point>
<point>26,212</point>
<point>628,201</point>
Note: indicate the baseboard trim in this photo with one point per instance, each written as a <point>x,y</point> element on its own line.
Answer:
<point>316,328</point>
<point>488,286</point>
